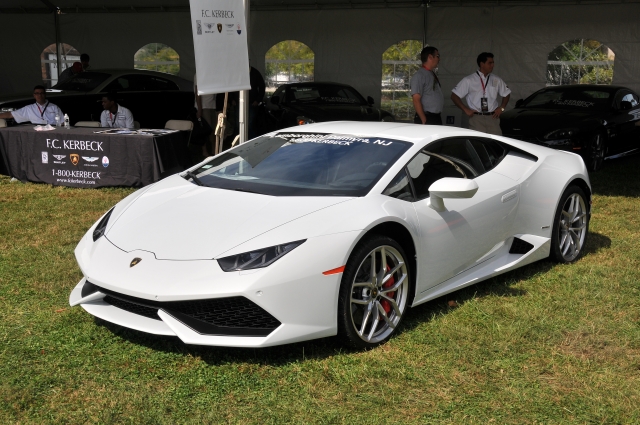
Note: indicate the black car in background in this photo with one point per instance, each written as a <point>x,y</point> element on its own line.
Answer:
<point>153,97</point>
<point>594,121</point>
<point>306,103</point>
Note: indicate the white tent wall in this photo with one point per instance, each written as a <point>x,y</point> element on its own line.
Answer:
<point>24,38</point>
<point>348,43</point>
<point>112,39</point>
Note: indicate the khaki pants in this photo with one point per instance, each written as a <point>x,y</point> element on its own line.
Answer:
<point>486,124</point>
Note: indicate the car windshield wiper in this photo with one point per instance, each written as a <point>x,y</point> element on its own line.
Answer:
<point>195,178</point>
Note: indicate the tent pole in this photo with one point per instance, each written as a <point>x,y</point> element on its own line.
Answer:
<point>244,94</point>
<point>56,17</point>
<point>425,6</point>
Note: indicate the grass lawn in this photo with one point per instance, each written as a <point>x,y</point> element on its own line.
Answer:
<point>546,344</point>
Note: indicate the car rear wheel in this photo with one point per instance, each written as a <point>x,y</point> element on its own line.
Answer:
<point>570,226</point>
<point>596,152</point>
<point>374,292</point>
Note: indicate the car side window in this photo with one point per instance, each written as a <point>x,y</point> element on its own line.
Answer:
<point>426,168</point>
<point>489,151</point>
<point>136,82</point>
<point>156,83</point>
<point>461,152</point>
<point>631,98</point>
<point>400,187</point>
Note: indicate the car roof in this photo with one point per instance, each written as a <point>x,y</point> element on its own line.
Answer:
<point>316,83</point>
<point>601,87</point>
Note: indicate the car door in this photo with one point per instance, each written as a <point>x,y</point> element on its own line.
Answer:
<point>626,119</point>
<point>460,237</point>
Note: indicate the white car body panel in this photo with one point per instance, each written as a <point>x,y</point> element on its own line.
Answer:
<point>179,230</point>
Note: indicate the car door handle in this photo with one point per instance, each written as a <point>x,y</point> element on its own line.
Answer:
<point>509,196</point>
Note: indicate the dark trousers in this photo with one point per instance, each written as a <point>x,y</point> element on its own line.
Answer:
<point>432,119</point>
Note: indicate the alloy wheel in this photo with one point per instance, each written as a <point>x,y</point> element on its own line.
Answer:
<point>572,227</point>
<point>379,294</point>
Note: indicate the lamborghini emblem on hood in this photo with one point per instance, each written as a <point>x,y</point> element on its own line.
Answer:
<point>135,262</point>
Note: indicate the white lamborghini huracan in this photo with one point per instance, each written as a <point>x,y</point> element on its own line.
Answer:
<point>329,229</point>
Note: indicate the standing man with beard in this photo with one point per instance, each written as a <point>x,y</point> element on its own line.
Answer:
<point>482,89</point>
<point>426,92</point>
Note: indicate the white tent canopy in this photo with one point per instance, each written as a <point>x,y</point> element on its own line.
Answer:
<point>347,37</point>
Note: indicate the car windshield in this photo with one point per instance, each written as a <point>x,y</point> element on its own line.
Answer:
<point>85,81</point>
<point>579,98</point>
<point>302,164</point>
<point>323,93</point>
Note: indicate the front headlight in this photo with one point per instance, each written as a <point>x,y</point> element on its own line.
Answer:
<point>257,259</point>
<point>102,226</point>
<point>304,120</point>
<point>565,133</point>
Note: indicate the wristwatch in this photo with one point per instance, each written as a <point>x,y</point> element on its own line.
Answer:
<point>502,109</point>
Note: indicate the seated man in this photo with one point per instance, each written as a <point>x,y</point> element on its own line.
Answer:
<point>114,115</point>
<point>41,112</point>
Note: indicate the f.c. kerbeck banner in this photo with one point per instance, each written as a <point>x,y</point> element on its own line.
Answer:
<point>220,43</point>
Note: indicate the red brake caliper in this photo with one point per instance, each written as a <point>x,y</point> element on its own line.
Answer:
<point>384,303</point>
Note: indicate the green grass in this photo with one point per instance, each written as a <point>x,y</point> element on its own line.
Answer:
<point>546,344</point>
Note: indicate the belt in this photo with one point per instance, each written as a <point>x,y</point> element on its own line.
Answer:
<point>483,113</point>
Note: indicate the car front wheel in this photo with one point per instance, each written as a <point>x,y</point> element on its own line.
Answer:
<point>374,292</point>
<point>570,226</point>
<point>596,152</point>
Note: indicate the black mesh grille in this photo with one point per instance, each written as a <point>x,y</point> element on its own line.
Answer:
<point>219,316</point>
<point>142,310</point>
<point>232,312</point>
<point>520,247</point>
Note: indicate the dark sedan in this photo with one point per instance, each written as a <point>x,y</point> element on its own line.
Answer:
<point>306,103</point>
<point>153,97</point>
<point>594,121</point>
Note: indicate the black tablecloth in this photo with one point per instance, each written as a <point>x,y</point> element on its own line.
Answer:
<point>78,157</point>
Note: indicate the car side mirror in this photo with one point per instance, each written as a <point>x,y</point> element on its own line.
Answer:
<point>519,103</point>
<point>275,100</point>
<point>370,100</point>
<point>450,187</point>
<point>625,105</point>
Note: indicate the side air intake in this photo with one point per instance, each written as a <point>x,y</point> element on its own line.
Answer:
<point>520,247</point>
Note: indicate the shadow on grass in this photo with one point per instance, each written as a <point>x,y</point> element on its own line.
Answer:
<point>618,177</point>
<point>499,286</point>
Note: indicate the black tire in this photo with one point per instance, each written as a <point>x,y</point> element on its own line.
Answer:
<point>596,151</point>
<point>370,310</point>
<point>570,226</point>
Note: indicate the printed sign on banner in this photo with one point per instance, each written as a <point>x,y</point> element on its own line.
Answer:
<point>220,43</point>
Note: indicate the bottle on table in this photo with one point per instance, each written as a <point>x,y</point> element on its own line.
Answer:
<point>66,121</point>
<point>58,123</point>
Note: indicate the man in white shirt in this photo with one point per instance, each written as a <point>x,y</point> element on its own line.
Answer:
<point>482,89</point>
<point>41,112</point>
<point>114,115</point>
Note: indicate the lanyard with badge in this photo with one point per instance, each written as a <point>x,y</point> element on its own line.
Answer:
<point>42,110</point>
<point>484,104</point>
<point>113,118</point>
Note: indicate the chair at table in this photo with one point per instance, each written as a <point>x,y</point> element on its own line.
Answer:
<point>3,122</point>
<point>136,125</point>
<point>182,125</point>
<point>87,124</point>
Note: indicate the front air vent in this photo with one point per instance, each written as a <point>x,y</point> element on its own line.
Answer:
<point>231,316</point>
<point>520,247</point>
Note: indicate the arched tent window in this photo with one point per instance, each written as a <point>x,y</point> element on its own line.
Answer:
<point>399,63</point>
<point>49,62</point>
<point>289,61</point>
<point>580,62</point>
<point>157,57</point>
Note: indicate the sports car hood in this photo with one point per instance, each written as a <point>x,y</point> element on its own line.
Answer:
<point>336,112</point>
<point>538,122</point>
<point>177,220</point>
